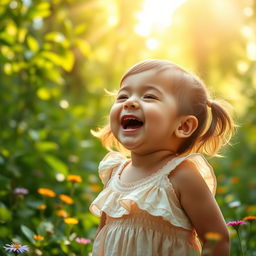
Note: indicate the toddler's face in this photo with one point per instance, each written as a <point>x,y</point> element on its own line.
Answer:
<point>144,115</point>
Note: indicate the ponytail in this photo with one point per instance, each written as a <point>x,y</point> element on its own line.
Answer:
<point>219,131</point>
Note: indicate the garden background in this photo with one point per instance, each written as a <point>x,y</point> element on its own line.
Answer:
<point>56,59</point>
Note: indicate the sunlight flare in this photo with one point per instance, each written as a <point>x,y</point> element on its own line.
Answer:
<point>156,15</point>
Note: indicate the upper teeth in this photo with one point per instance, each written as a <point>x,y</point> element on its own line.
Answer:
<point>130,118</point>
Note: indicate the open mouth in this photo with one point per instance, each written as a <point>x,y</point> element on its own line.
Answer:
<point>131,123</point>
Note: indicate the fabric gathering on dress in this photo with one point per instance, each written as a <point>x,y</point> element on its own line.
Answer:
<point>145,217</point>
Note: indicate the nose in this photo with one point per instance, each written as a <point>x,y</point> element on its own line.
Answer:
<point>131,104</point>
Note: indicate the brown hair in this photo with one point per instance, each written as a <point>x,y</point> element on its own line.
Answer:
<point>215,125</point>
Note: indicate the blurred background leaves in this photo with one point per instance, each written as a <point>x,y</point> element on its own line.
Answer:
<point>56,58</point>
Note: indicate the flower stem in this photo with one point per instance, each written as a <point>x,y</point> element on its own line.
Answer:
<point>240,243</point>
<point>82,250</point>
<point>249,236</point>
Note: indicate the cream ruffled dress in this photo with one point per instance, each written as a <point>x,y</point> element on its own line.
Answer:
<point>145,217</point>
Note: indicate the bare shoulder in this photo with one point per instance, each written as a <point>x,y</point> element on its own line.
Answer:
<point>197,200</point>
<point>186,177</point>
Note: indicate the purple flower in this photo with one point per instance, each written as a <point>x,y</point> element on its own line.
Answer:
<point>16,248</point>
<point>20,191</point>
<point>82,240</point>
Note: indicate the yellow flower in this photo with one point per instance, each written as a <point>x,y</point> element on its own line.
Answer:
<point>71,221</point>
<point>46,192</point>
<point>41,207</point>
<point>39,238</point>
<point>74,178</point>
<point>213,236</point>
<point>66,199</point>
<point>62,213</point>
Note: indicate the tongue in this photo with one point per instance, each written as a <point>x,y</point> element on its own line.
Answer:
<point>133,126</point>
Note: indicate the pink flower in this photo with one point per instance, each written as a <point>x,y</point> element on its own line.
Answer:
<point>236,224</point>
<point>20,191</point>
<point>82,240</point>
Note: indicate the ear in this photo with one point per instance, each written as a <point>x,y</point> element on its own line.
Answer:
<point>186,126</point>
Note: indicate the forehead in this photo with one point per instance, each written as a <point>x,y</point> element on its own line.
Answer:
<point>159,79</point>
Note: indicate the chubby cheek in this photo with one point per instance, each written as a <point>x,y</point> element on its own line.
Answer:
<point>158,121</point>
<point>114,119</point>
<point>156,116</point>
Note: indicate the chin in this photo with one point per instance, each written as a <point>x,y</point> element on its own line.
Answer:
<point>129,146</point>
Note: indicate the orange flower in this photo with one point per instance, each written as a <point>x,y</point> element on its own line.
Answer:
<point>71,221</point>
<point>66,199</point>
<point>41,207</point>
<point>221,190</point>
<point>46,192</point>
<point>250,218</point>
<point>250,209</point>
<point>39,238</point>
<point>213,236</point>
<point>234,180</point>
<point>74,178</point>
<point>62,213</point>
<point>95,188</point>
<point>88,196</point>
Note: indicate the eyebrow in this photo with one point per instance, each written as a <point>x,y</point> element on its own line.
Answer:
<point>145,87</point>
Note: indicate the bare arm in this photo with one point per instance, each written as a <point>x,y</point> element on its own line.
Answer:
<point>201,207</point>
<point>102,222</point>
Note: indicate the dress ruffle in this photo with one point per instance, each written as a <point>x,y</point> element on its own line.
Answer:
<point>154,200</point>
<point>154,195</point>
<point>108,165</point>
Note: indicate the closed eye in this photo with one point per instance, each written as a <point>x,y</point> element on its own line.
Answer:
<point>122,97</point>
<point>150,96</point>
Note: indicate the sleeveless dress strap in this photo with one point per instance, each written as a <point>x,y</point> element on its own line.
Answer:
<point>204,168</point>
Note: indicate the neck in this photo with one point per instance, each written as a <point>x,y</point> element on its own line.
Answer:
<point>151,159</point>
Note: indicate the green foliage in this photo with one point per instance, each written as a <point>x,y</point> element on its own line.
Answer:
<point>56,58</point>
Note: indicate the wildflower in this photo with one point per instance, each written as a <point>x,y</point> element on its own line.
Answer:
<point>82,240</point>
<point>20,191</point>
<point>71,221</point>
<point>234,180</point>
<point>236,224</point>
<point>16,248</point>
<point>221,190</point>
<point>41,207</point>
<point>249,218</point>
<point>46,192</point>
<point>74,178</point>
<point>213,236</point>
<point>38,237</point>
<point>234,204</point>
<point>62,213</point>
<point>66,199</point>
<point>88,196</point>
<point>250,208</point>
<point>95,188</point>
